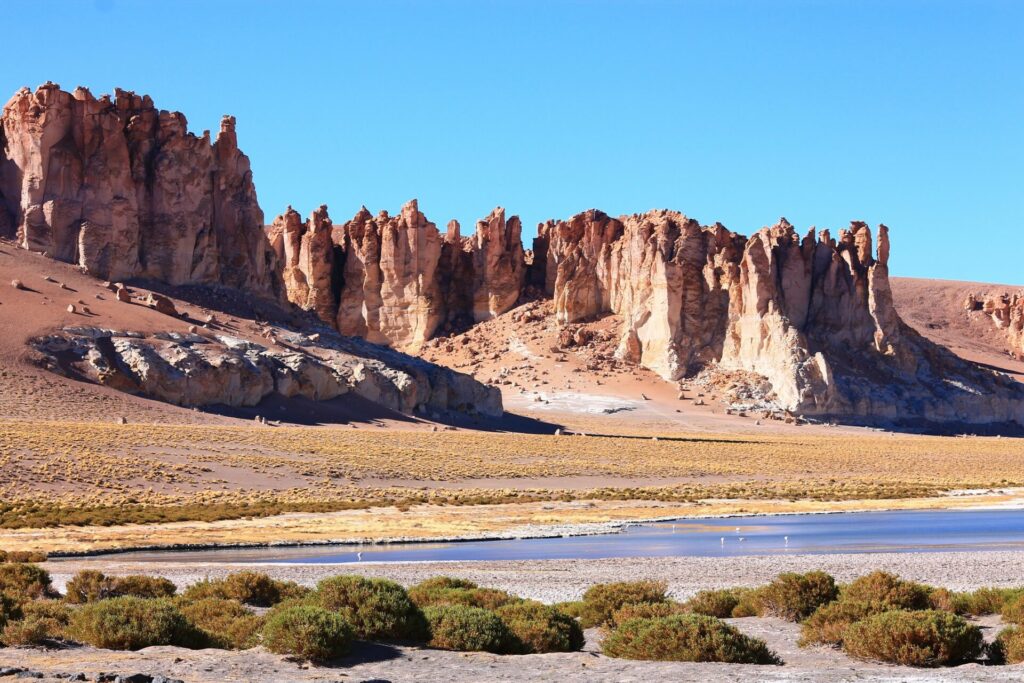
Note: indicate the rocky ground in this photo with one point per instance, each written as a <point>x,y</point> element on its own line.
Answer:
<point>550,581</point>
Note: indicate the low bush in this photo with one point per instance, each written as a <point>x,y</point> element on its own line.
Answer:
<point>601,601</point>
<point>225,624</point>
<point>537,628</point>
<point>990,600</point>
<point>949,601</point>
<point>883,591</point>
<point>795,597</point>
<point>41,622</point>
<point>467,629</point>
<point>748,602</point>
<point>828,624</point>
<point>252,588</point>
<point>645,610</point>
<point>130,623</point>
<point>1013,611</point>
<point>444,590</point>
<point>571,607</point>
<point>713,603</point>
<point>22,556</point>
<point>307,632</point>
<point>377,609</point>
<point>921,638</point>
<point>87,585</point>
<point>141,586</point>
<point>685,638</point>
<point>23,581</point>
<point>1008,647</point>
<point>10,609</point>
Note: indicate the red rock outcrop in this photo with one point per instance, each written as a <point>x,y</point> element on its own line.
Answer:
<point>813,316</point>
<point>499,267</point>
<point>1006,312</point>
<point>124,190</point>
<point>305,252</point>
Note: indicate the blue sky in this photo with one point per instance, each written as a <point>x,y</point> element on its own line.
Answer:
<point>909,113</point>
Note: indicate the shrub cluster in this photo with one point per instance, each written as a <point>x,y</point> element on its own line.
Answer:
<point>685,638</point>
<point>307,632</point>
<point>224,623</point>
<point>796,596</point>
<point>40,622</point>
<point>914,638</point>
<point>444,590</point>
<point>377,609</point>
<point>535,628</point>
<point>601,601</point>
<point>461,627</point>
<point>89,586</point>
<point>251,588</point>
<point>23,581</point>
<point>131,623</point>
<point>714,603</point>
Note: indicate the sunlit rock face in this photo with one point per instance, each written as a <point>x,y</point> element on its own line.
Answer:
<point>123,189</point>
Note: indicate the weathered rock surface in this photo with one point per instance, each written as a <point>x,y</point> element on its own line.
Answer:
<point>1006,312</point>
<point>813,316</point>
<point>305,253</point>
<point>195,370</point>
<point>123,189</point>
<point>399,281</point>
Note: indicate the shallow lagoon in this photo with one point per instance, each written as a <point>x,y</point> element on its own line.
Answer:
<point>856,532</point>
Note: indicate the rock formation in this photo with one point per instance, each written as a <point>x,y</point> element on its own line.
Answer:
<point>1006,311</point>
<point>197,370</point>
<point>813,316</point>
<point>124,190</point>
<point>399,281</point>
<point>305,253</point>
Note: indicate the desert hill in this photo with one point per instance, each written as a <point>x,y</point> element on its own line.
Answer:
<point>775,325</point>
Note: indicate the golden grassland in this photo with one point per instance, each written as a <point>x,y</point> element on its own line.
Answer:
<point>55,473</point>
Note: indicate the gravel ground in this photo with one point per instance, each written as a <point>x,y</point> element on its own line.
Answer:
<point>558,580</point>
<point>550,580</point>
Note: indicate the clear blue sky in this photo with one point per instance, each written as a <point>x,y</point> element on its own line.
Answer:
<point>907,112</point>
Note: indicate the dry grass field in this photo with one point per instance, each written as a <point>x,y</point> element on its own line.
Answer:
<point>104,478</point>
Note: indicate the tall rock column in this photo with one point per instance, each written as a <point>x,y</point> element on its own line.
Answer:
<point>499,265</point>
<point>306,254</point>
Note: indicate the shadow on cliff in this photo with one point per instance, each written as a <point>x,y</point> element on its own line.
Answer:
<point>355,410</point>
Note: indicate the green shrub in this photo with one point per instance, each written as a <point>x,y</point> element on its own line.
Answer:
<point>25,581</point>
<point>10,609</point>
<point>41,622</point>
<point>990,600</point>
<point>141,586</point>
<point>377,609</point>
<point>130,623</point>
<point>828,624</point>
<point>537,628</point>
<point>467,629</point>
<point>748,602</point>
<point>1008,647</point>
<point>685,638</point>
<point>307,632</point>
<point>573,608</point>
<point>795,597</point>
<point>88,585</point>
<point>226,624</point>
<point>645,610</point>
<point>1013,611</point>
<point>922,638</point>
<point>949,601</point>
<point>883,591</point>
<point>23,556</point>
<point>603,599</point>
<point>713,603</point>
<point>444,590</point>
<point>252,588</point>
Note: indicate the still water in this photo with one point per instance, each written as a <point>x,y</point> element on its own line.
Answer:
<point>857,532</point>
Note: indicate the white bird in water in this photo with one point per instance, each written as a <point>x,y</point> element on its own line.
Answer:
<point>723,540</point>
<point>737,529</point>
<point>742,539</point>
<point>359,557</point>
<point>787,539</point>
<point>673,528</point>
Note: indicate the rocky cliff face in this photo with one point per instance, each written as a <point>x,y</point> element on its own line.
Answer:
<point>124,190</point>
<point>399,281</point>
<point>1006,311</point>
<point>810,314</point>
